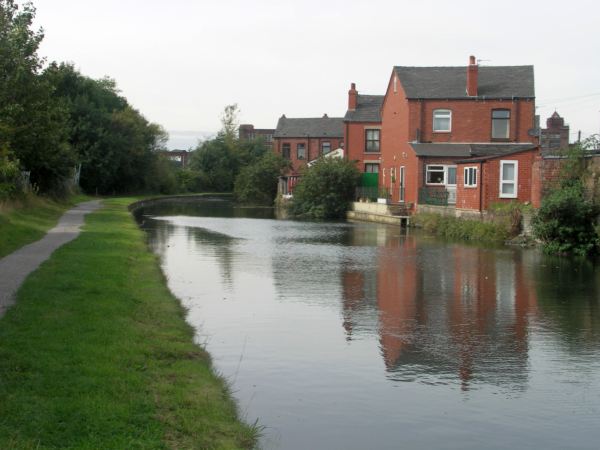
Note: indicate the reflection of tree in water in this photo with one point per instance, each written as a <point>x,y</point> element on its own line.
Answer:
<point>219,245</point>
<point>203,241</point>
<point>446,312</point>
<point>569,298</point>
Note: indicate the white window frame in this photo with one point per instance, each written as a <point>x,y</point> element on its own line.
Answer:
<point>468,180</point>
<point>444,168</point>
<point>515,182</point>
<point>427,170</point>
<point>442,114</point>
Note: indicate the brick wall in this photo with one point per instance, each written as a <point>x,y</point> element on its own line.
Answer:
<point>312,146</point>
<point>354,144</point>
<point>471,120</point>
<point>491,178</point>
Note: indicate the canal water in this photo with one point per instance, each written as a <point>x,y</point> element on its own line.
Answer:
<point>361,336</point>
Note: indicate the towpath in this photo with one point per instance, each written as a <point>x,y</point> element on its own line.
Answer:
<point>15,267</point>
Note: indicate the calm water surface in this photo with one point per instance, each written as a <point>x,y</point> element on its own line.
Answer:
<point>359,336</point>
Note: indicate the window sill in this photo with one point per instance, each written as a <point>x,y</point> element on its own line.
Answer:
<point>470,187</point>
<point>441,132</point>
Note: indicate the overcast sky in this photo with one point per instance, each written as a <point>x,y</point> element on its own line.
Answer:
<point>180,61</point>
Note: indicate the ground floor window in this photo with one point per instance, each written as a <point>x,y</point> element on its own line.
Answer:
<point>371,168</point>
<point>508,179</point>
<point>435,174</point>
<point>443,175</point>
<point>470,179</point>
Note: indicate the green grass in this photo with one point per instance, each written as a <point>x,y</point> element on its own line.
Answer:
<point>96,354</point>
<point>462,229</point>
<point>28,219</point>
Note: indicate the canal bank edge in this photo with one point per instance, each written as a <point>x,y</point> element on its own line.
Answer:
<point>108,353</point>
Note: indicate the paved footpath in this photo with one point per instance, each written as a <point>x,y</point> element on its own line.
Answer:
<point>15,267</point>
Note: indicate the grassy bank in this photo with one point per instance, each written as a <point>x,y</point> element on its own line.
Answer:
<point>28,218</point>
<point>462,229</point>
<point>96,354</point>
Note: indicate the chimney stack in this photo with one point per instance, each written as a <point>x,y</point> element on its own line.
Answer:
<point>472,75</point>
<point>352,97</point>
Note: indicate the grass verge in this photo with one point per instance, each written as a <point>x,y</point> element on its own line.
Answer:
<point>28,218</point>
<point>96,354</point>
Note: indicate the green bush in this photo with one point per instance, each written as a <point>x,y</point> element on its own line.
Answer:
<point>9,175</point>
<point>461,229</point>
<point>326,189</point>
<point>257,183</point>
<point>565,221</point>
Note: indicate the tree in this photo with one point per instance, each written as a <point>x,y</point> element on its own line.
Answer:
<point>257,183</point>
<point>230,124</point>
<point>118,148</point>
<point>566,217</point>
<point>216,163</point>
<point>326,189</point>
<point>33,123</point>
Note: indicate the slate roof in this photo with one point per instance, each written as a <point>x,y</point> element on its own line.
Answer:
<point>368,109</point>
<point>451,82</point>
<point>469,152</point>
<point>310,127</point>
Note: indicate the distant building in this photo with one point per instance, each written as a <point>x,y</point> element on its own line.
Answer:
<point>179,157</point>
<point>556,134</point>
<point>248,132</point>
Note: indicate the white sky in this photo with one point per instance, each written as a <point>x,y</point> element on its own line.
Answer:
<point>180,61</point>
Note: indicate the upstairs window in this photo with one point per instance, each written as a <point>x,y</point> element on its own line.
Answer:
<point>470,179</point>
<point>325,147</point>
<point>509,172</point>
<point>500,123</point>
<point>442,120</point>
<point>372,138</point>
<point>301,151</point>
<point>285,151</point>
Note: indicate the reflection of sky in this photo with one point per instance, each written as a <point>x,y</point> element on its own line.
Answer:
<point>339,335</point>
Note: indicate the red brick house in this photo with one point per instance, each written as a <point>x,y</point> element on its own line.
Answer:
<point>362,130</point>
<point>459,136</point>
<point>302,140</point>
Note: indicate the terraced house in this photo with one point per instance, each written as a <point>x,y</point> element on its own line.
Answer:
<point>461,137</point>
<point>302,140</point>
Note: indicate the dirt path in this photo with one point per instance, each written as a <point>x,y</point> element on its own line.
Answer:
<point>15,267</point>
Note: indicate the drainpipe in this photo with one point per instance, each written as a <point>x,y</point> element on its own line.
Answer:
<point>481,188</point>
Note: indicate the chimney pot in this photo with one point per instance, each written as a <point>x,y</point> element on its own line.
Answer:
<point>472,60</point>
<point>325,116</point>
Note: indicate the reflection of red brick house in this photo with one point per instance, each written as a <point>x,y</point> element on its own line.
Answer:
<point>362,130</point>
<point>302,140</point>
<point>459,135</point>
